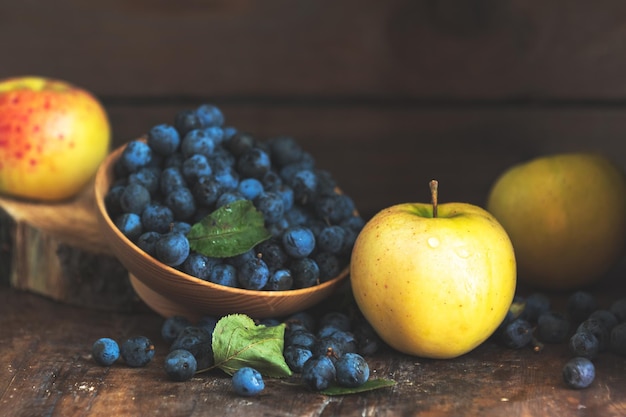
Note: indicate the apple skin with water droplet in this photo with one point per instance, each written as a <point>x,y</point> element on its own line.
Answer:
<point>53,137</point>
<point>434,287</point>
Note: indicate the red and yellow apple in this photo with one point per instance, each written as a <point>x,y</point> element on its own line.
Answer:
<point>433,280</point>
<point>566,217</point>
<point>53,136</point>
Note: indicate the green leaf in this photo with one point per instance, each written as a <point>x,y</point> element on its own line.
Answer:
<point>229,231</point>
<point>239,342</point>
<point>370,385</point>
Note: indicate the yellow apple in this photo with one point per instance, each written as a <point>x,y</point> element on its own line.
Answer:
<point>433,280</point>
<point>53,136</point>
<point>566,217</point>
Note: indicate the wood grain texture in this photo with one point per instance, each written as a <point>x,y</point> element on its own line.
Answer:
<point>451,49</point>
<point>48,370</point>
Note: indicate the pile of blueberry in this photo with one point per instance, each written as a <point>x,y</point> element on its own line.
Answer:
<point>586,327</point>
<point>331,351</point>
<point>186,170</point>
<point>327,351</point>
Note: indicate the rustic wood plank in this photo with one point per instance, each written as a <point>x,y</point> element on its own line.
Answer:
<point>45,347</point>
<point>425,50</point>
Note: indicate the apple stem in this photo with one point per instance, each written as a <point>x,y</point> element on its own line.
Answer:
<point>434,191</point>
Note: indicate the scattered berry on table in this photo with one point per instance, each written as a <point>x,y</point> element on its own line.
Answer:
<point>247,382</point>
<point>552,327</point>
<point>318,372</point>
<point>198,341</point>
<point>105,351</point>
<point>352,370</point>
<point>173,326</point>
<point>137,351</point>
<point>584,344</point>
<point>579,373</point>
<point>180,365</point>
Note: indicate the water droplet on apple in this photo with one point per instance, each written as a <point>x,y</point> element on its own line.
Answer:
<point>433,242</point>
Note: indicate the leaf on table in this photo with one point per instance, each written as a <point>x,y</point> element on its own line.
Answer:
<point>239,342</point>
<point>370,385</point>
<point>229,231</point>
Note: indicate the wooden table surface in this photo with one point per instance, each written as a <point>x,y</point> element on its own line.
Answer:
<point>47,370</point>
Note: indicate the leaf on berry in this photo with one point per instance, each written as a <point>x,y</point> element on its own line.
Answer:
<point>239,342</point>
<point>229,231</point>
<point>369,385</point>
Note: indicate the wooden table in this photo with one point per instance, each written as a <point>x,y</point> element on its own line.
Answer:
<point>47,370</point>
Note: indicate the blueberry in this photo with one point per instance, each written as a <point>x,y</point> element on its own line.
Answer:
<point>130,225</point>
<point>298,241</point>
<point>302,318</point>
<point>318,372</point>
<point>157,217</point>
<point>172,248</point>
<point>112,200</point>
<point>585,344</point>
<point>280,280</point>
<point>302,338</point>
<point>334,208</point>
<point>227,178</point>
<point>135,155</point>
<point>285,150</point>
<point>331,238</point>
<point>181,202</point>
<point>186,121</point>
<point>286,193</point>
<point>208,323</point>
<point>180,365</point>
<point>253,163</point>
<point>147,177</point>
<point>198,265</point>
<point>163,139</point>
<point>137,351</point>
<point>598,329</point>
<point>253,274</point>
<point>579,373</point>
<point>227,198</point>
<point>329,265</point>
<point>250,188</point>
<point>224,274</point>
<point>352,370</point>
<point>247,382</point>
<point>580,305</point>
<point>147,242</point>
<point>196,340</point>
<point>271,181</point>
<point>304,184</point>
<point>618,308</point>
<point>552,327</point>
<point>241,143</point>
<point>296,356</point>
<point>617,341</point>
<point>336,319</point>
<point>171,179</point>
<point>206,191</point>
<point>271,205</point>
<point>172,327</point>
<point>180,227</point>
<point>607,318</point>
<point>535,305</point>
<point>305,273</point>
<point>516,334</point>
<point>328,346</point>
<point>210,115</point>
<point>135,198</point>
<point>105,351</point>
<point>197,142</point>
<point>272,253</point>
<point>194,167</point>
<point>368,342</point>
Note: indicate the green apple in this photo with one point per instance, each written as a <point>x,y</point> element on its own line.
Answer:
<point>566,217</point>
<point>53,136</point>
<point>434,280</point>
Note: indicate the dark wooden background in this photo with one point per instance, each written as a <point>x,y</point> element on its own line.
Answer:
<point>386,95</point>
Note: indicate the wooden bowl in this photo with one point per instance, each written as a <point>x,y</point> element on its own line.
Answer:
<point>169,291</point>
